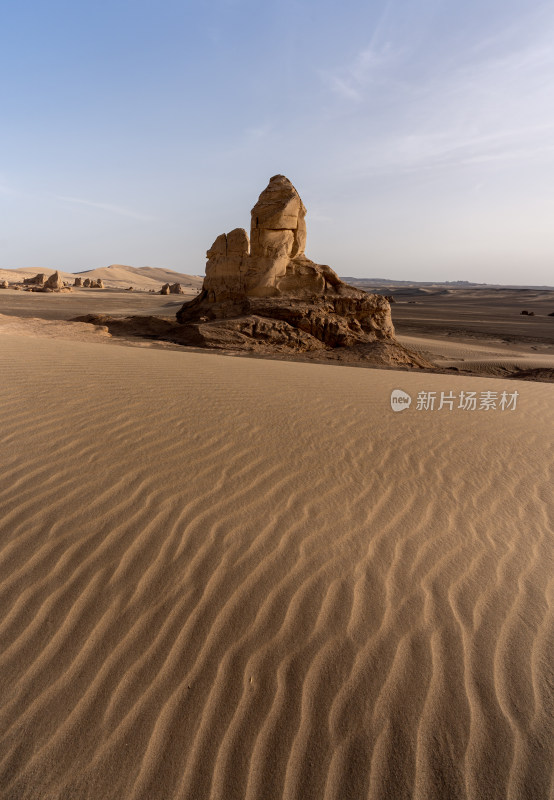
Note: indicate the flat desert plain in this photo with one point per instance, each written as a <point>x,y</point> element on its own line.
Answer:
<point>226,578</point>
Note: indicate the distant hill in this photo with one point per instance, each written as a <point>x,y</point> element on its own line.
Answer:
<point>122,276</point>
<point>116,276</point>
<point>389,283</point>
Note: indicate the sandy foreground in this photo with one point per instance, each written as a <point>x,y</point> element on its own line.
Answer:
<point>234,578</point>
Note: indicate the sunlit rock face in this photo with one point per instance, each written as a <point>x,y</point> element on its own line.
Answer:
<point>228,260</point>
<point>277,236</point>
<point>272,262</point>
<point>263,293</point>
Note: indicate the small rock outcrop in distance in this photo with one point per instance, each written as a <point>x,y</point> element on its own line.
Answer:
<point>78,282</point>
<point>38,280</point>
<point>263,293</point>
<point>4,285</point>
<point>91,283</point>
<point>175,288</point>
<point>54,282</point>
<point>165,289</point>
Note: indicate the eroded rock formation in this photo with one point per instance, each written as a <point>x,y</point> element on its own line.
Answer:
<point>173,288</point>
<point>272,263</point>
<point>78,282</point>
<point>264,295</point>
<point>38,280</point>
<point>54,282</point>
<point>264,292</point>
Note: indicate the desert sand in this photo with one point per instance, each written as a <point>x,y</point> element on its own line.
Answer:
<point>230,578</point>
<point>79,302</point>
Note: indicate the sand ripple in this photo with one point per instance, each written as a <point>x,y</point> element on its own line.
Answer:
<point>224,578</point>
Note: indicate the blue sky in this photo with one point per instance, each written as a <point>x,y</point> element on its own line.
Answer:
<point>420,134</point>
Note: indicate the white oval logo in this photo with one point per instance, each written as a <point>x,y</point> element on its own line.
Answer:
<point>399,400</point>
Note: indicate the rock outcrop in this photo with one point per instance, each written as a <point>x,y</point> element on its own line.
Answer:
<point>54,282</point>
<point>78,282</point>
<point>272,263</point>
<point>173,288</point>
<point>264,293</point>
<point>91,283</point>
<point>4,285</point>
<point>38,280</point>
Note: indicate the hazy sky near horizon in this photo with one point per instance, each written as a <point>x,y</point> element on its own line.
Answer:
<point>419,133</point>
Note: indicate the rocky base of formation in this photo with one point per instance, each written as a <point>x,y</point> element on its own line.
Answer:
<point>345,318</point>
<point>256,336</point>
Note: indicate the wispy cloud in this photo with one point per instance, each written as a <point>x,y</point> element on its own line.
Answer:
<point>344,87</point>
<point>368,67</point>
<point>421,151</point>
<point>396,35</point>
<point>258,132</point>
<point>495,108</point>
<point>109,207</point>
<point>5,189</point>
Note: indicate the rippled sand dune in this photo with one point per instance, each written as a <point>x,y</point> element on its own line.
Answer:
<point>226,578</point>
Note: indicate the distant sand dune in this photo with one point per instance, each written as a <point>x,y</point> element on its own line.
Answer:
<point>226,578</point>
<point>116,276</point>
